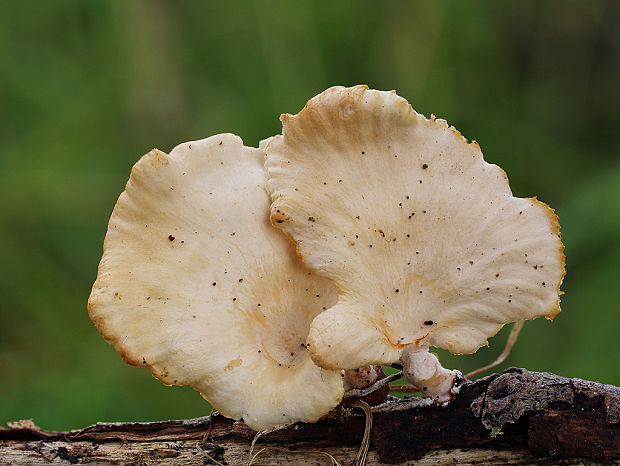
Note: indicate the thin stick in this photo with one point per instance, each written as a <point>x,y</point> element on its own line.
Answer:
<point>512,339</point>
<point>362,455</point>
<point>357,393</point>
<point>209,457</point>
<point>205,437</point>
<point>404,389</point>
<point>207,434</point>
<point>259,435</point>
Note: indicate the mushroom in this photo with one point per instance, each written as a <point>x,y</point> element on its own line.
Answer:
<point>423,238</point>
<point>362,377</point>
<point>197,286</point>
<point>367,384</point>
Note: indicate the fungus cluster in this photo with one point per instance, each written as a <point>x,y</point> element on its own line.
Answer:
<point>362,235</point>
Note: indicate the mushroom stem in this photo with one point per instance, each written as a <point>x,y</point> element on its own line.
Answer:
<point>367,383</point>
<point>423,370</point>
<point>362,378</point>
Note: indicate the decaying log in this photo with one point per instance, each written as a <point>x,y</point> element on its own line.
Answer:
<point>514,417</point>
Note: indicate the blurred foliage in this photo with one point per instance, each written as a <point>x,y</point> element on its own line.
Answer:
<point>86,88</point>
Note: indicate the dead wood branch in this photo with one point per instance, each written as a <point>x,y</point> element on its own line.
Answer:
<point>517,416</point>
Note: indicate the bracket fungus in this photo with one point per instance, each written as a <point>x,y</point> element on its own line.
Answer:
<point>197,286</point>
<point>422,237</point>
<point>410,241</point>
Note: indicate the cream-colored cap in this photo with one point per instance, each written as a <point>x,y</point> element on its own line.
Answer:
<point>197,286</point>
<point>422,237</point>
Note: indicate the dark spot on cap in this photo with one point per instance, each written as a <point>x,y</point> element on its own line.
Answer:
<point>428,322</point>
<point>171,238</point>
<point>424,166</point>
<point>311,219</point>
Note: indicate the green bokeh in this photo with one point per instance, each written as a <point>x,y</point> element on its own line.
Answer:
<point>86,88</point>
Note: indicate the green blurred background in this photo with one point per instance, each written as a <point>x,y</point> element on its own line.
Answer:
<point>86,88</point>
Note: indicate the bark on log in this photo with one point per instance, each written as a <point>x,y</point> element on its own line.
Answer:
<point>514,417</point>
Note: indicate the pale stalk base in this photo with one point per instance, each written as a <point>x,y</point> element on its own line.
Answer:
<point>423,370</point>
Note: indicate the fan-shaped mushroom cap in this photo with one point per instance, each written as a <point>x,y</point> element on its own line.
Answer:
<point>422,237</point>
<point>196,285</point>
